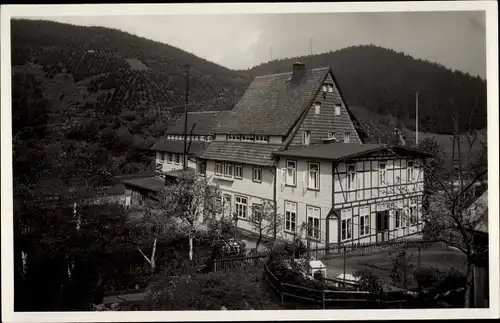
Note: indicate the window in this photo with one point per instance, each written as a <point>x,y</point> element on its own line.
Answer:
<point>381,173</point>
<point>313,179</point>
<point>238,171</point>
<point>346,232</point>
<point>291,174</point>
<point>169,158</point>
<point>325,87</point>
<point>410,172</point>
<point>256,213</point>
<point>218,168</point>
<point>290,216</point>
<point>233,137</point>
<point>330,88</point>
<point>397,219</point>
<point>247,138</point>
<point>241,207</point>
<point>227,204</point>
<point>337,109</point>
<point>177,159</point>
<point>351,176</point>
<point>203,168</point>
<point>364,225</point>
<point>228,170</point>
<point>347,137</point>
<point>331,135</point>
<point>313,218</point>
<point>306,137</point>
<point>413,214</point>
<point>262,138</point>
<point>317,108</point>
<point>162,157</point>
<point>257,174</point>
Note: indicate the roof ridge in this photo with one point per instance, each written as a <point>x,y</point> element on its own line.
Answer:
<point>291,72</point>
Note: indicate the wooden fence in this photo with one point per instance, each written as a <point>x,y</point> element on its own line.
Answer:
<point>335,250</point>
<point>237,262</point>
<point>323,297</point>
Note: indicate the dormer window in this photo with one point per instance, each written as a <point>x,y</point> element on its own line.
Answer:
<point>347,137</point>
<point>247,138</point>
<point>317,108</point>
<point>331,135</point>
<point>262,138</point>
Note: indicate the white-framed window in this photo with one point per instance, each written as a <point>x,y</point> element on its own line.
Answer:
<point>228,170</point>
<point>410,171</point>
<point>331,135</point>
<point>238,171</point>
<point>313,222</point>
<point>337,109</point>
<point>233,137</point>
<point>291,172</point>
<point>325,88</point>
<point>313,176</point>
<point>226,204</point>
<point>247,138</point>
<point>290,216</point>
<point>257,174</point>
<point>351,177</point>
<point>317,108</point>
<point>346,232</point>
<point>330,88</point>
<point>306,137</point>
<point>177,159</point>
<point>398,223</point>
<point>381,173</point>
<point>241,206</point>
<point>347,137</point>
<point>256,212</point>
<point>364,225</point>
<point>262,138</point>
<point>413,214</point>
<point>169,158</point>
<point>218,168</point>
<point>203,167</point>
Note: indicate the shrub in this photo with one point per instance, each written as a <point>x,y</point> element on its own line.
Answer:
<point>369,282</point>
<point>427,278</point>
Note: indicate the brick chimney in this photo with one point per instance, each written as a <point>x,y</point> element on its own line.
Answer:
<point>299,69</point>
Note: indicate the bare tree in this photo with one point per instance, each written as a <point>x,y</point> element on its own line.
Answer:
<point>265,221</point>
<point>190,203</point>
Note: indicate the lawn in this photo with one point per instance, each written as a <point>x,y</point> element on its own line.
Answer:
<point>380,263</point>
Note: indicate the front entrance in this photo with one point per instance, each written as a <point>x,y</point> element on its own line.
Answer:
<point>382,226</point>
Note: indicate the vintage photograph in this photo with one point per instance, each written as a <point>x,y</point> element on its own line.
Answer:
<point>260,161</point>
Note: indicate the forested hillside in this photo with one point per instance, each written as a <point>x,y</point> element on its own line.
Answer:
<point>105,95</point>
<point>385,82</point>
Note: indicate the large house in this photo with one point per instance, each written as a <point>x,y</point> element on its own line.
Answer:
<point>292,140</point>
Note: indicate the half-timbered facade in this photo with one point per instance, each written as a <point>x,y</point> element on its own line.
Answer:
<point>351,193</point>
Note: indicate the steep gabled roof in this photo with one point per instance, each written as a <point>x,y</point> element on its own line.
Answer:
<point>198,123</point>
<point>272,104</point>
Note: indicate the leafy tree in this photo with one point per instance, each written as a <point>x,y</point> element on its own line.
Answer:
<point>265,221</point>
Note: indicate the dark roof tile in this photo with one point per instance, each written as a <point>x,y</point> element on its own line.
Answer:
<point>241,152</point>
<point>177,146</point>
<point>338,151</point>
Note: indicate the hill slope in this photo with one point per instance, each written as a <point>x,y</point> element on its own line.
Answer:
<point>105,95</point>
<point>385,82</point>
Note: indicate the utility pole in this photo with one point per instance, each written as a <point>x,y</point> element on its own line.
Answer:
<point>186,118</point>
<point>311,51</point>
<point>416,120</point>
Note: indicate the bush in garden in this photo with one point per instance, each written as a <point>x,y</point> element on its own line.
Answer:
<point>241,289</point>
<point>369,282</point>
<point>438,281</point>
<point>427,278</point>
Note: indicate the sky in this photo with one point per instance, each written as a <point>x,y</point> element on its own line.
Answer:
<point>456,40</point>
